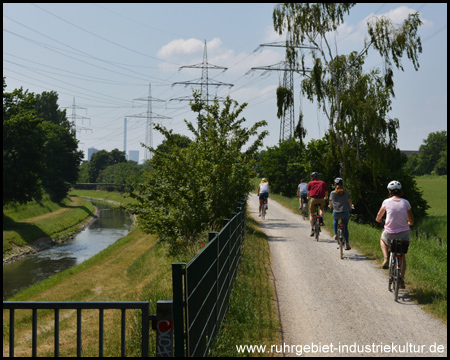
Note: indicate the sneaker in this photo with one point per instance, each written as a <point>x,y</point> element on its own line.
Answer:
<point>259,215</point>
<point>335,237</point>
<point>385,264</point>
<point>321,222</point>
<point>312,232</point>
<point>348,247</point>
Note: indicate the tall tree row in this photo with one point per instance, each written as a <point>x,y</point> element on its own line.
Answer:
<point>40,150</point>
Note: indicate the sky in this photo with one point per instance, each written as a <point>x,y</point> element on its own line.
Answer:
<point>101,59</point>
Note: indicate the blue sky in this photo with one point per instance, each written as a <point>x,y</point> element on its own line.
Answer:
<point>106,55</point>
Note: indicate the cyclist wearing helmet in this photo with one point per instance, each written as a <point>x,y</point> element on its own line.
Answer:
<point>398,220</point>
<point>317,193</point>
<point>341,204</point>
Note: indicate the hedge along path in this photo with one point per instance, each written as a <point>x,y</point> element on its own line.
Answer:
<point>108,276</point>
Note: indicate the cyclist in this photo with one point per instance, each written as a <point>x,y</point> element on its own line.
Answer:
<point>317,193</point>
<point>399,218</point>
<point>263,193</point>
<point>302,193</point>
<point>341,204</point>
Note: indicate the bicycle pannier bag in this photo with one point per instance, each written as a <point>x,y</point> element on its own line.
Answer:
<point>399,246</point>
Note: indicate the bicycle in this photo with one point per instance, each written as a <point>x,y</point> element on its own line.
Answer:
<point>397,248</point>
<point>317,223</point>
<point>340,236</point>
<point>304,211</point>
<point>263,209</point>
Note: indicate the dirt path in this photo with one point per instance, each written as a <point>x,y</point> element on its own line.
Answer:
<point>340,307</point>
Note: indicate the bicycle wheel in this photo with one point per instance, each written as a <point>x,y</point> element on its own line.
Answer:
<point>397,277</point>
<point>263,210</point>
<point>391,270</point>
<point>317,229</point>
<point>341,242</point>
<point>304,212</point>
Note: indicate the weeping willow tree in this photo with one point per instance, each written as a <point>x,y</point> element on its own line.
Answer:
<point>356,103</point>
<point>285,99</point>
<point>361,134</point>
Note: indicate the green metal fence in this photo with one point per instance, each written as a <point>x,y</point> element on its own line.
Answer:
<point>201,289</point>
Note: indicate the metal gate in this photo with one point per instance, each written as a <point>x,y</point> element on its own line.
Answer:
<point>79,306</point>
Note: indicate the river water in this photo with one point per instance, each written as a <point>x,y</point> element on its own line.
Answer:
<point>111,225</point>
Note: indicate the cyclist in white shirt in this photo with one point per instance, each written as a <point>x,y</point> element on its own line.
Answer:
<point>263,193</point>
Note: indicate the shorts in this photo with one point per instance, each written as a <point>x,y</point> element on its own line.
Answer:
<point>263,196</point>
<point>403,235</point>
<point>304,198</point>
<point>315,201</point>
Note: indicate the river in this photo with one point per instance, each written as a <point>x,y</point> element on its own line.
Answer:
<point>111,225</point>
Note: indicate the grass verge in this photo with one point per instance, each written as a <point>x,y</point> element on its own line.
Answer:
<point>22,225</point>
<point>252,316</point>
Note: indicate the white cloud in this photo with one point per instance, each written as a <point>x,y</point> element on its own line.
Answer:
<point>187,47</point>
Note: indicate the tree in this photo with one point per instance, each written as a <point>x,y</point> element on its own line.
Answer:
<point>180,141</point>
<point>283,167</point>
<point>361,136</point>
<point>432,156</point>
<point>39,147</point>
<point>125,173</point>
<point>433,153</point>
<point>23,148</point>
<point>101,160</point>
<point>189,190</point>
<point>62,159</point>
<point>23,158</point>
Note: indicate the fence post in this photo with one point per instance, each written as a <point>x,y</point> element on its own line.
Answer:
<point>178,305</point>
<point>163,324</point>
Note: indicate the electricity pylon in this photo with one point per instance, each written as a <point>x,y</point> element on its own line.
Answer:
<point>204,81</point>
<point>287,121</point>
<point>74,117</point>
<point>149,115</point>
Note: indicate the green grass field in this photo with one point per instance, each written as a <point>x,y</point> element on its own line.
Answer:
<point>435,192</point>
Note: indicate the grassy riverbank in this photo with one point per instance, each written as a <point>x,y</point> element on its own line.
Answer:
<point>136,267</point>
<point>426,275</point>
<point>23,225</point>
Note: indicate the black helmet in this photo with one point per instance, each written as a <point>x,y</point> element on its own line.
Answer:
<point>314,175</point>
<point>338,180</point>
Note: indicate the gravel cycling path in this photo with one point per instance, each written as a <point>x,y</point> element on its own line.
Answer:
<point>339,307</point>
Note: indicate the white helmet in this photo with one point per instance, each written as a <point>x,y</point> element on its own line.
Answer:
<point>394,184</point>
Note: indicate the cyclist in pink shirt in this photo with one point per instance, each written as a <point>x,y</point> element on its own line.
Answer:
<point>399,218</point>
